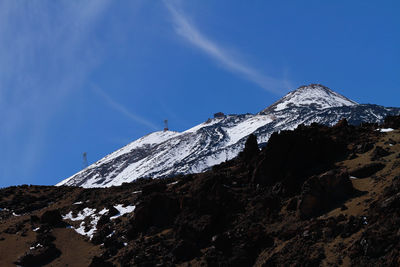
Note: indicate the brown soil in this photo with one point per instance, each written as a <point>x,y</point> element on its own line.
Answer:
<point>291,204</point>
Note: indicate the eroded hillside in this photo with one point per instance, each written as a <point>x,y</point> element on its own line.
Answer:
<point>315,196</point>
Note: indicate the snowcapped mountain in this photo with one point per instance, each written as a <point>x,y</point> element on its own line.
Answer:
<point>168,153</point>
<point>313,95</point>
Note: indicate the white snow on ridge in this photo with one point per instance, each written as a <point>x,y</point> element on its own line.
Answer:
<point>246,127</point>
<point>313,94</point>
<point>195,150</point>
<point>202,125</point>
<point>150,139</point>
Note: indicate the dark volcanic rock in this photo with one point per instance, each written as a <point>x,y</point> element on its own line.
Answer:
<point>112,211</point>
<point>157,210</point>
<point>101,234</point>
<point>99,262</point>
<point>153,187</point>
<point>250,148</point>
<point>13,229</point>
<point>323,192</point>
<point>364,147</point>
<point>392,122</point>
<point>39,256</point>
<point>292,156</point>
<point>242,212</point>
<point>51,217</point>
<point>379,152</point>
<point>367,170</point>
<point>185,251</point>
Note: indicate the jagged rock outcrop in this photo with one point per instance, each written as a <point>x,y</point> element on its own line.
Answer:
<point>305,214</point>
<point>168,153</point>
<point>323,192</point>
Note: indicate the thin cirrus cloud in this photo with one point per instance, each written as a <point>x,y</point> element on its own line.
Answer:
<point>47,52</point>
<point>191,34</point>
<point>123,110</point>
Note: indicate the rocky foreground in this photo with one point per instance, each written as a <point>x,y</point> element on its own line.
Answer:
<point>315,196</point>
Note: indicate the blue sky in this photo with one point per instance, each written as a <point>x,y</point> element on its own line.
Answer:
<point>91,76</point>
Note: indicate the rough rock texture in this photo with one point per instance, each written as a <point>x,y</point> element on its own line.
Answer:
<point>168,153</point>
<point>367,170</point>
<point>51,217</point>
<point>323,192</point>
<point>291,204</point>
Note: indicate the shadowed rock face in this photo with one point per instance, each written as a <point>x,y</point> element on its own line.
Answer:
<point>51,217</point>
<point>392,122</point>
<point>39,256</point>
<point>292,156</point>
<point>379,153</point>
<point>251,149</point>
<point>323,192</point>
<point>367,170</point>
<point>157,210</point>
<point>168,153</point>
<point>292,203</point>
<point>42,252</point>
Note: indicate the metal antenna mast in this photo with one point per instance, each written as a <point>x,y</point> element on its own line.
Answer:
<point>166,125</point>
<point>85,162</point>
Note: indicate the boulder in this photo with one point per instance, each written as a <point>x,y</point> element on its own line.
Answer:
<point>367,170</point>
<point>341,123</point>
<point>39,256</point>
<point>379,152</point>
<point>325,191</point>
<point>155,186</point>
<point>364,147</point>
<point>51,217</point>
<point>392,122</point>
<point>292,156</point>
<point>99,262</point>
<point>157,210</point>
<point>250,148</point>
<point>185,251</point>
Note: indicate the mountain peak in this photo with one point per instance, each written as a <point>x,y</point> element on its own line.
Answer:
<point>314,95</point>
<point>168,153</point>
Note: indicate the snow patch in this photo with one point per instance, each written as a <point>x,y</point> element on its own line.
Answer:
<point>87,212</point>
<point>94,218</point>
<point>385,130</point>
<point>80,216</point>
<point>122,210</point>
<point>37,246</point>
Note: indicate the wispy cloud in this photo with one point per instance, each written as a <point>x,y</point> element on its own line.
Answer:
<point>185,28</point>
<point>46,52</point>
<point>123,110</point>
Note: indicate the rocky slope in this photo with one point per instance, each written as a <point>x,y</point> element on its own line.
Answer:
<point>315,196</point>
<point>165,154</point>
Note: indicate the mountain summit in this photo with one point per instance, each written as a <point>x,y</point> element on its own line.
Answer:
<point>167,153</point>
<point>313,96</point>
